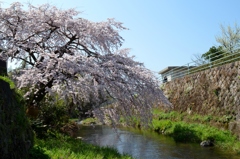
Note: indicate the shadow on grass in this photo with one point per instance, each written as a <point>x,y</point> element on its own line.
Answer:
<point>184,134</point>
<point>38,153</point>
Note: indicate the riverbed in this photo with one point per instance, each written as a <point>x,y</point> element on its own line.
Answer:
<point>148,145</point>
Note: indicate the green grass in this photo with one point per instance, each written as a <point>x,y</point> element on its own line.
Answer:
<point>8,80</point>
<point>168,123</point>
<point>73,120</point>
<point>203,119</point>
<point>89,121</point>
<point>63,147</point>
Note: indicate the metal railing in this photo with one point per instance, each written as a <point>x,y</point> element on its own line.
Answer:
<point>213,60</point>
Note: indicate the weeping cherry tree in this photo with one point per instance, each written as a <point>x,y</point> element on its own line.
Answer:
<point>77,59</point>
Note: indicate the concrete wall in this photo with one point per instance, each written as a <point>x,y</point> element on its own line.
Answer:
<point>211,92</point>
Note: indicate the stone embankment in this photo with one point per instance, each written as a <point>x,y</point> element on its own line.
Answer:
<point>16,136</point>
<point>215,92</point>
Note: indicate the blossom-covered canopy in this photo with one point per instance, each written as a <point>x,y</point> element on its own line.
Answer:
<point>76,58</point>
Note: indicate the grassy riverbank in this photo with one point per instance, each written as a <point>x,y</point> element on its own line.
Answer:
<point>65,147</point>
<point>182,127</point>
<point>193,128</point>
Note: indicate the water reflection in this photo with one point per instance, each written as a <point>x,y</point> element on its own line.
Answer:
<point>145,145</point>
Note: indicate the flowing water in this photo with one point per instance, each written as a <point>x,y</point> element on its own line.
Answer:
<point>148,145</point>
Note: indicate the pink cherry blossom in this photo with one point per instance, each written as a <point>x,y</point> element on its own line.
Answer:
<point>78,59</point>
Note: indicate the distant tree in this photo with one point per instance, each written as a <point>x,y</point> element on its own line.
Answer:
<point>199,60</point>
<point>78,59</point>
<point>213,53</point>
<point>230,38</point>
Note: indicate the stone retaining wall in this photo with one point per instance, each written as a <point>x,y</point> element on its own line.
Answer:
<point>211,92</point>
<point>16,136</point>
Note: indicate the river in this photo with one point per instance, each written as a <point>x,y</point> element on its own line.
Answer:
<point>148,145</point>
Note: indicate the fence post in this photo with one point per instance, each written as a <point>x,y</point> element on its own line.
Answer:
<point>209,61</point>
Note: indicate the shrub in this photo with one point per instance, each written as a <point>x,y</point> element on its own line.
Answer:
<point>53,112</point>
<point>183,133</point>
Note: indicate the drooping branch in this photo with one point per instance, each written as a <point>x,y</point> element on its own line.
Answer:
<point>38,96</point>
<point>77,59</point>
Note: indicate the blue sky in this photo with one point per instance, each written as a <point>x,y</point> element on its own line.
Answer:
<point>161,32</point>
